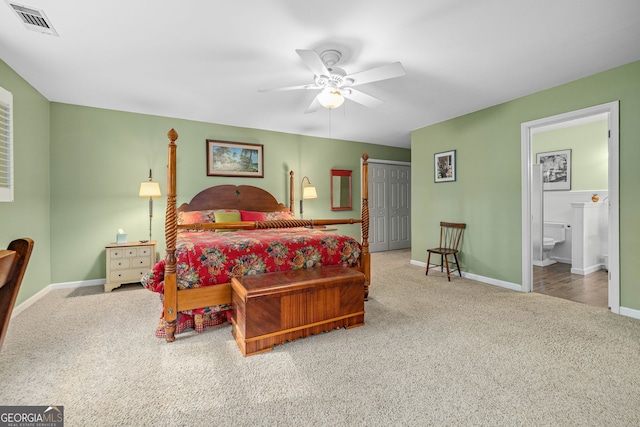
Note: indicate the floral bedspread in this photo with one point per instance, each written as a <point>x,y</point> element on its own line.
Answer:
<point>207,258</point>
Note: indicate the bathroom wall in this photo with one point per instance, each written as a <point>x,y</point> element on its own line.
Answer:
<point>557,208</point>
<point>589,175</point>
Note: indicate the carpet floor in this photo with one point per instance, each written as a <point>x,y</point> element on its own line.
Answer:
<point>431,352</point>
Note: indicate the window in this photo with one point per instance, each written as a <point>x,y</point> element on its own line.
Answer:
<point>6,146</point>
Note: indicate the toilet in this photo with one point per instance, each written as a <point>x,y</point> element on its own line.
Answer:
<point>554,233</point>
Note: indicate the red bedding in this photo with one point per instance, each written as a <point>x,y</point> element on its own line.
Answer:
<point>207,258</point>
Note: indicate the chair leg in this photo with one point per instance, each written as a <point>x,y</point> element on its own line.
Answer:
<point>428,260</point>
<point>441,263</point>
<point>457,264</point>
<point>446,260</point>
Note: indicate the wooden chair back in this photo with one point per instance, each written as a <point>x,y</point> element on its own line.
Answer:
<point>13,264</point>
<point>451,234</point>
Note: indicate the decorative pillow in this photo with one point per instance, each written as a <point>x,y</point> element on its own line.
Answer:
<point>200,217</point>
<point>253,216</point>
<point>227,217</point>
<point>195,217</point>
<point>277,216</point>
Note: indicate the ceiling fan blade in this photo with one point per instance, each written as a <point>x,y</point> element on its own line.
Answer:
<point>384,72</point>
<point>314,106</point>
<point>313,61</point>
<point>362,98</point>
<point>279,89</point>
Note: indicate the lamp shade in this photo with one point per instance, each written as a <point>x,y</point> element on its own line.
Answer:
<point>149,189</point>
<point>330,98</point>
<point>309,193</point>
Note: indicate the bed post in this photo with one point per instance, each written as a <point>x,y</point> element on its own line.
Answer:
<point>366,256</point>
<point>171,234</point>
<point>291,192</point>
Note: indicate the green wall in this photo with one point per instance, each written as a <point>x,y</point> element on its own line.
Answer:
<point>99,157</point>
<point>28,214</point>
<point>589,152</point>
<point>487,192</point>
<point>78,171</point>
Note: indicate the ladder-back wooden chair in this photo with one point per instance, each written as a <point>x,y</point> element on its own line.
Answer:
<point>13,264</point>
<point>450,236</point>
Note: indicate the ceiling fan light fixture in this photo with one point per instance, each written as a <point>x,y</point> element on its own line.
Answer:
<point>330,98</point>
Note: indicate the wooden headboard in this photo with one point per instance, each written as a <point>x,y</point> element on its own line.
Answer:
<point>241,197</point>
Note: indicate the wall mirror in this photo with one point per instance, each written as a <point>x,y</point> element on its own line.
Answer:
<point>340,190</point>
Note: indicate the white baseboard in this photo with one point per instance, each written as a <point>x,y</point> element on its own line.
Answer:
<point>419,263</point>
<point>30,301</point>
<point>588,270</point>
<point>487,280</point>
<point>630,312</point>
<point>80,284</point>
<point>494,282</point>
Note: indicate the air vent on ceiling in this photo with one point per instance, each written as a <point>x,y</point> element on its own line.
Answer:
<point>33,19</point>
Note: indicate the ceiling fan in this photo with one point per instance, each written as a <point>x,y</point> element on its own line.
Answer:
<point>335,84</point>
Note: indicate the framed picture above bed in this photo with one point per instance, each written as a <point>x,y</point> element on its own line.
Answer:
<point>239,159</point>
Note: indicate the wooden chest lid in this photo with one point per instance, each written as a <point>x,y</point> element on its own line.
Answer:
<point>283,282</point>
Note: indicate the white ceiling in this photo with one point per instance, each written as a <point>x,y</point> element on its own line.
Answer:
<point>206,60</point>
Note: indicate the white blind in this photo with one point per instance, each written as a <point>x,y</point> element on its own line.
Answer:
<point>6,146</point>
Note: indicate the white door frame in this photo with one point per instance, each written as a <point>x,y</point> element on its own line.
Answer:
<point>612,111</point>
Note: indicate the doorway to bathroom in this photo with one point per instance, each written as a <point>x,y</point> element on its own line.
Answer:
<point>578,259</point>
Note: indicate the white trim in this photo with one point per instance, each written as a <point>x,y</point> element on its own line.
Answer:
<point>30,301</point>
<point>477,278</point>
<point>588,270</point>
<point>79,284</point>
<point>526,130</point>
<point>418,263</point>
<point>494,282</point>
<point>630,312</point>
<point>614,207</point>
<point>571,123</point>
<point>527,171</point>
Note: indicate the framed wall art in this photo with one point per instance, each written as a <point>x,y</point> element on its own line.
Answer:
<point>241,159</point>
<point>556,169</point>
<point>445,166</point>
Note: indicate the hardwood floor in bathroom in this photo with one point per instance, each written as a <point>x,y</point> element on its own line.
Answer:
<point>556,280</point>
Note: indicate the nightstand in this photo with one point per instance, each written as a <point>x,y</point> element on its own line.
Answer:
<point>127,263</point>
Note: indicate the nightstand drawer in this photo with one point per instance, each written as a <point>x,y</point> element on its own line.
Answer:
<point>130,252</point>
<point>116,253</point>
<point>126,276</point>
<point>120,264</point>
<point>145,251</point>
<point>141,262</point>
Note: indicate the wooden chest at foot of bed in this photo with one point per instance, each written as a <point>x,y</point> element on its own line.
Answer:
<point>273,308</point>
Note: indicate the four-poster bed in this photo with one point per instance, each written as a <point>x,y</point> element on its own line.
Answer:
<point>267,237</point>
